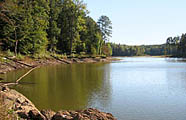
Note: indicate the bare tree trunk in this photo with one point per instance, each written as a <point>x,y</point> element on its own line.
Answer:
<point>15,50</point>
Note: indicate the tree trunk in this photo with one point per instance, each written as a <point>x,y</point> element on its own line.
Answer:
<point>16,43</point>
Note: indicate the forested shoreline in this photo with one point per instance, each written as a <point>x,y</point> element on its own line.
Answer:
<point>174,47</point>
<point>64,27</point>
<point>52,26</point>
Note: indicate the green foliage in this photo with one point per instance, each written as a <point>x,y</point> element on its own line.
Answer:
<point>125,50</point>
<point>20,57</point>
<point>60,56</point>
<point>10,54</point>
<point>71,22</point>
<point>43,55</point>
<point>176,46</point>
<point>25,30</point>
<point>53,29</point>
<point>32,27</point>
<point>107,50</point>
<point>93,50</point>
<point>106,27</point>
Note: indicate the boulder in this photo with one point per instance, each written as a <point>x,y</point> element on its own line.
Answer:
<point>62,115</point>
<point>35,115</point>
<point>48,114</point>
<point>87,114</point>
<point>23,114</point>
<point>20,100</point>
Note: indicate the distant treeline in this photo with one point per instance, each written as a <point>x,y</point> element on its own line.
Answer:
<point>61,26</point>
<point>174,46</point>
<point>125,50</point>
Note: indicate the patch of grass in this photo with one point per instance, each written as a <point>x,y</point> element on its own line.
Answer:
<point>60,56</point>
<point>20,57</point>
<point>44,55</point>
<point>9,53</point>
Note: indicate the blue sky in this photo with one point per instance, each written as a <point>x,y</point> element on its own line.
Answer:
<point>137,22</point>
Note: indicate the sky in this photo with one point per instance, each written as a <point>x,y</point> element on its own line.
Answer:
<point>141,22</point>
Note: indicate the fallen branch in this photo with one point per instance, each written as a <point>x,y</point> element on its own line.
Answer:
<point>19,62</point>
<point>62,60</point>
<point>17,81</point>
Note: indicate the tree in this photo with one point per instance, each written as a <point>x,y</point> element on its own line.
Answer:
<point>105,26</point>
<point>25,28</point>
<point>53,29</point>
<point>91,37</point>
<point>13,22</point>
<point>72,22</point>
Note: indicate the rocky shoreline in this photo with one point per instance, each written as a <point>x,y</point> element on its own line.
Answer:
<point>24,109</point>
<point>12,64</point>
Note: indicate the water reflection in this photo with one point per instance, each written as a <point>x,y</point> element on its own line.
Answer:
<point>141,88</point>
<point>67,87</point>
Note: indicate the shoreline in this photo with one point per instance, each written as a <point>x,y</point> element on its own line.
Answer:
<point>11,65</point>
<point>23,108</point>
<point>159,56</point>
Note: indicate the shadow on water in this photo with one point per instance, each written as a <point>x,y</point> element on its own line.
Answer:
<point>67,87</point>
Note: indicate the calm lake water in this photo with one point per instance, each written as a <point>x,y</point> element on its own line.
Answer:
<point>141,88</point>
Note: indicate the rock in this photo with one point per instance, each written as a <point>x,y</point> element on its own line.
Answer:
<point>25,109</point>
<point>48,114</point>
<point>20,100</point>
<point>61,115</point>
<point>88,114</point>
<point>35,115</point>
<point>23,115</point>
<point>94,114</point>
<point>5,88</point>
<point>1,88</point>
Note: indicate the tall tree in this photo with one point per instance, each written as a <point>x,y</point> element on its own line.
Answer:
<point>92,36</point>
<point>71,21</point>
<point>105,26</point>
<point>53,29</point>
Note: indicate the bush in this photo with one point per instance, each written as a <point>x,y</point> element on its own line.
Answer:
<point>93,51</point>
<point>44,55</point>
<point>10,54</point>
<point>60,56</point>
<point>20,57</point>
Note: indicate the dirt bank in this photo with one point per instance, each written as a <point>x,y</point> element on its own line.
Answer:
<point>25,109</point>
<point>10,64</point>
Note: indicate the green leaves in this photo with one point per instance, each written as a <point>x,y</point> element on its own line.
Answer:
<point>34,26</point>
<point>106,27</point>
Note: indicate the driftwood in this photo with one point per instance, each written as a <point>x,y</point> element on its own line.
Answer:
<point>11,65</point>
<point>17,81</point>
<point>19,62</point>
<point>62,60</point>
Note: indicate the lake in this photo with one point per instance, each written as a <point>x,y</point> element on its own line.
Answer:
<point>135,88</point>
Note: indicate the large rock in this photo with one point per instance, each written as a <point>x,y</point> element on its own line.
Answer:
<point>21,105</point>
<point>35,115</point>
<point>62,115</point>
<point>48,114</point>
<point>25,109</point>
<point>87,114</point>
<point>23,115</point>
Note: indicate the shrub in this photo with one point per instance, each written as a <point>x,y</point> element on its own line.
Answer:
<point>19,57</point>
<point>9,53</point>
